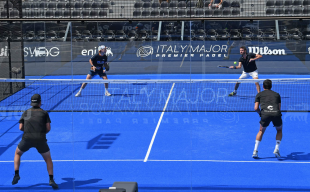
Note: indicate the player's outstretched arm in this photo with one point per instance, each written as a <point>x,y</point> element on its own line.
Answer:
<point>257,56</point>
<point>238,67</point>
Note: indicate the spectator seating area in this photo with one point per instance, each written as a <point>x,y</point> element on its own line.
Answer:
<point>184,8</point>
<point>287,7</point>
<point>150,8</point>
<point>59,9</point>
<point>169,32</point>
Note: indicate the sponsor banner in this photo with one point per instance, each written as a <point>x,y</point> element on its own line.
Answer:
<point>178,56</point>
<point>47,51</point>
<point>164,50</point>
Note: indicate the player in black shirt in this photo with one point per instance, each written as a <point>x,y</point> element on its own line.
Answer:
<point>270,103</point>
<point>98,62</point>
<point>36,124</point>
<point>247,60</point>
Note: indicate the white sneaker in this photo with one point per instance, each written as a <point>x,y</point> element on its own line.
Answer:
<point>276,152</point>
<point>78,94</point>
<point>255,155</point>
<point>107,93</point>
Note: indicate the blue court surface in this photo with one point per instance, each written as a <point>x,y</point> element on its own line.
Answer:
<point>162,151</point>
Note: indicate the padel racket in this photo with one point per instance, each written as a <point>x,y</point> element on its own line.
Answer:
<point>107,66</point>
<point>222,66</point>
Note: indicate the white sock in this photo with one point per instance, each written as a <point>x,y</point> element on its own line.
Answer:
<point>80,90</point>
<point>235,91</point>
<point>106,89</point>
<point>278,144</point>
<point>256,145</point>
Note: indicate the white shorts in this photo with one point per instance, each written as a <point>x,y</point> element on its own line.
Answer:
<point>214,6</point>
<point>246,75</point>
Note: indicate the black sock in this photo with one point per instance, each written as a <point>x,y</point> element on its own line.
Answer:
<point>16,172</point>
<point>51,177</point>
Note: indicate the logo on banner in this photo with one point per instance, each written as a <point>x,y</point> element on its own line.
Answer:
<point>266,51</point>
<point>4,52</point>
<point>41,52</point>
<point>145,51</point>
<point>109,52</point>
<point>184,51</point>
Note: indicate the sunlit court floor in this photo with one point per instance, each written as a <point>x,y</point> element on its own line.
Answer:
<point>161,151</point>
<point>191,151</point>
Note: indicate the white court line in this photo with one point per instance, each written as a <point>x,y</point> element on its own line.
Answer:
<point>159,121</point>
<point>100,160</point>
<point>141,160</point>
<point>228,161</point>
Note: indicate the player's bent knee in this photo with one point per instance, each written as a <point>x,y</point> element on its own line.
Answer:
<point>279,128</point>
<point>18,151</point>
<point>262,129</point>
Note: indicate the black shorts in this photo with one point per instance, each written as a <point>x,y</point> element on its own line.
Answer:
<point>276,120</point>
<point>97,72</point>
<point>41,146</point>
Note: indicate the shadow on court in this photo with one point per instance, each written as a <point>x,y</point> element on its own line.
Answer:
<point>297,156</point>
<point>3,149</point>
<point>70,183</point>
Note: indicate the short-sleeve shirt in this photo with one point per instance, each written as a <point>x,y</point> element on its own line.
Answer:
<point>216,1</point>
<point>34,120</point>
<point>248,66</point>
<point>99,61</point>
<point>269,102</point>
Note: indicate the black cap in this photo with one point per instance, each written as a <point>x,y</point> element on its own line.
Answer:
<point>35,100</point>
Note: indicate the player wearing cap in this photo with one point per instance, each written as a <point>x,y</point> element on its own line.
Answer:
<point>247,60</point>
<point>270,103</point>
<point>35,123</point>
<point>97,63</point>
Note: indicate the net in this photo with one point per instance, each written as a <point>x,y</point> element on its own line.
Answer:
<point>201,95</point>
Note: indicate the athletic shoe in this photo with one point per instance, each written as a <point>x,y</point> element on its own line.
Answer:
<point>276,152</point>
<point>232,94</point>
<point>255,155</point>
<point>15,179</point>
<point>78,94</point>
<point>107,93</point>
<point>53,184</point>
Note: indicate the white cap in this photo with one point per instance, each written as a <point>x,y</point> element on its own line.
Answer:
<point>101,47</point>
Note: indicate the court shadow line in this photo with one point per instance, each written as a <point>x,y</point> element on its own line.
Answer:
<point>69,183</point>
<point>296,156</point>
